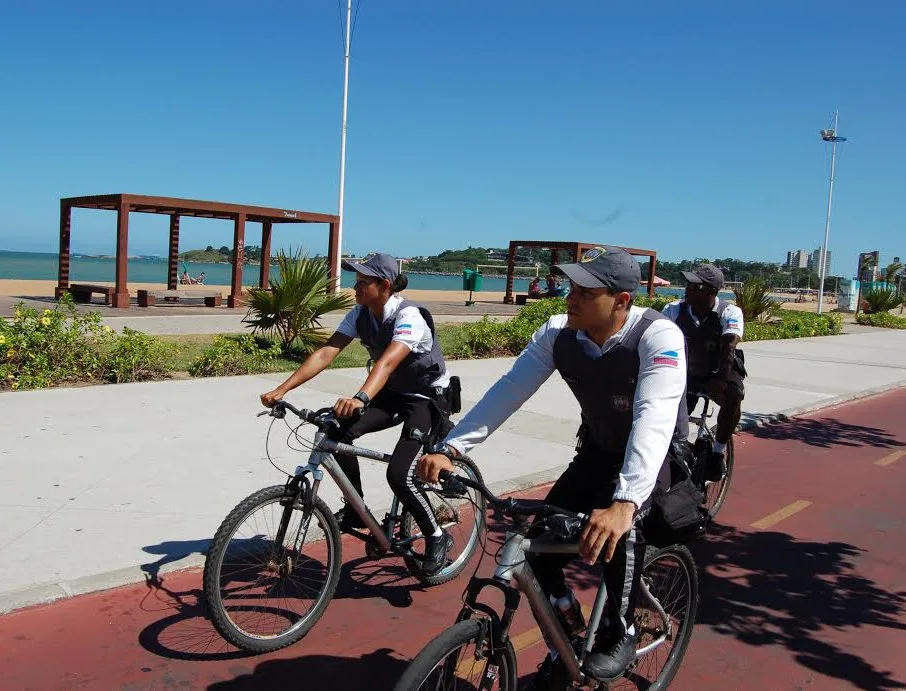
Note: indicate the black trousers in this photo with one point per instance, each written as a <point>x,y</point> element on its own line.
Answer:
<point>389,409</point>
<point>589,483</point>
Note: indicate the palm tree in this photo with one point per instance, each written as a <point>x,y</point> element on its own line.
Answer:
<point>296,302</point>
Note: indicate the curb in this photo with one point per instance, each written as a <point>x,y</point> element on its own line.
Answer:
<point>52,592</point>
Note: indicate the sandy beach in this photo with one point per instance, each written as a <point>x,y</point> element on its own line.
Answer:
<point>43,289</point>
<point>16,288</point>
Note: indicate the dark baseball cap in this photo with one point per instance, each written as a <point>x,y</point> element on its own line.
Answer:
<point>380,266</point>
<point>706,273</point>
<point>605,267</point>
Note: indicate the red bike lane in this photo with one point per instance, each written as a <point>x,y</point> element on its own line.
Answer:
<point>803,585</point>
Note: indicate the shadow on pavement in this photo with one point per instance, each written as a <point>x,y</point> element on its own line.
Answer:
<point>767,588</point>
<point>826,432</point>
<point>377,670</point>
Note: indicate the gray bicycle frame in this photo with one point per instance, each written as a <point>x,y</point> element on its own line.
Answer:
<point>321,459</point>
<point>514,568</point>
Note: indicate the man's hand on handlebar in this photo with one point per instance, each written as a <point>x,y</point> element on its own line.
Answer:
<point>271,397</point>
<point>430,465</point>
<point>348,407</point>
<point>605,528</point>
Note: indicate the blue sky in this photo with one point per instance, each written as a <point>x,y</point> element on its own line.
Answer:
<point>687,127</point>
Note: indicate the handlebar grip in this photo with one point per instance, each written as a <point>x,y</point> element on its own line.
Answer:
<point>452,482</point>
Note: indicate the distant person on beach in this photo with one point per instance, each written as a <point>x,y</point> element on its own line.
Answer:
<point>534,289</point>
<point>408,384</point>
<point>713,328</point>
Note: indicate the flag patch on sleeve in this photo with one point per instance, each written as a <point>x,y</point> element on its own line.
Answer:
<point>668,357</point>
<point>403,329</point>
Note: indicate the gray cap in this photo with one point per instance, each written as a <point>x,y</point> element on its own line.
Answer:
<point>605,267</point>
<point>381,265</point>
<point>706,273</point>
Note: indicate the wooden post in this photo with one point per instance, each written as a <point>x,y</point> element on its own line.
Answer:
<point>238,257</point>
<point>121,291</point>
<point>333,251</point>
<point>265,254</point>
<point>652,265</point>
<point>173,265</point>
<point>63,267</point>
<point>508,298</point>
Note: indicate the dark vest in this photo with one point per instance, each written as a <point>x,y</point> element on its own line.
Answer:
<point>418,371</point>
<point>605,386</point>
<point>702,341</point>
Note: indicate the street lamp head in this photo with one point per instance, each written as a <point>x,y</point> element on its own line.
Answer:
<point>831,136</point>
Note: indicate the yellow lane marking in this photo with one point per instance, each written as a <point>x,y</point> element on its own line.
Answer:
<point>781,514</point>
<point>891,459</point>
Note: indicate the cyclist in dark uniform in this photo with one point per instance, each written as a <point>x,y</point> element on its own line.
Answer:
<point>713,329</point>
<point>626,367</point>
<point>407,385</point>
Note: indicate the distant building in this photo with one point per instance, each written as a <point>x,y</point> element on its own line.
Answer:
<point>814,262</point>
<point>797,259</point>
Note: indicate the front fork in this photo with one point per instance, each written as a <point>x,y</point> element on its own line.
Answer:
<point>298,493</point>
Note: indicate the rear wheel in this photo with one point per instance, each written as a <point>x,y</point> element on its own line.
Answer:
<point>670,578</point>
<point>458,660</point>
<point>463,517</point>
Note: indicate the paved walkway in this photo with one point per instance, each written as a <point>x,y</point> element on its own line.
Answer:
<point>801,587</point>
<point>100,480</point>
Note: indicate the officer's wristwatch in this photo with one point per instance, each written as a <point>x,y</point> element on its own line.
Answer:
<point>363,397</point>
<point>445,449</point>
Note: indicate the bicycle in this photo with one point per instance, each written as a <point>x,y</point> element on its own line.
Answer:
<point>476,652</point>
<point>714,491</point>
<point>251,580</point>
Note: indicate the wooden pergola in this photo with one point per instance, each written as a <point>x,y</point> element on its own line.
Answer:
<point>574,251</point>
<point>240,214</point>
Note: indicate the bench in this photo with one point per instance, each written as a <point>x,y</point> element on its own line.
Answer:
<point>146,298</point>
<point>82,292</point>
<point>522,299</point>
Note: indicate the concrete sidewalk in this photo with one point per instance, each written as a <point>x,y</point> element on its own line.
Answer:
<point>101,481</point>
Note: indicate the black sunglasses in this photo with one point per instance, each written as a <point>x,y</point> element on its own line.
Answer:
<point>701,288</point>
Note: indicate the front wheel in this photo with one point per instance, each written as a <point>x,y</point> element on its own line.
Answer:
<point>716,492</point>
<point>459,659</point>
<point>270,573</point>
<point>463,517</point>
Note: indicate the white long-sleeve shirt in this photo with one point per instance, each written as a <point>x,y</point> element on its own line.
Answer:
<point>660,388</point>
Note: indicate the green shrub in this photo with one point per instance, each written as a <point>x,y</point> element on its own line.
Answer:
<point>134,356</point>
<point>232,355</point>
<point>794,325</point>
<point>879,299</point>
<point>755,301</point>
<point>885,320</point>
<point>485,338</point>
<point>50,347</point>
<point>295,303</point>
<point>658,302</point>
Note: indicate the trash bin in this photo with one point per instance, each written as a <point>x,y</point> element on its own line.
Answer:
<point>467,279</point>
<point>476,281</point>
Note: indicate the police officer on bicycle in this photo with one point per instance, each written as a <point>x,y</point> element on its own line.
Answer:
<point>713,328</point>
<point>407,384</point>
<point>626,367</point>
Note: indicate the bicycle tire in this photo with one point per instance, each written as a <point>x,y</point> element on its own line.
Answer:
<point>724,490</point>
<point>432,655</point>
<point>681,641</point>
<point>456,567</point>
<point>214,560</point>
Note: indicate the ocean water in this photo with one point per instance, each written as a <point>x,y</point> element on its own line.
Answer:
<point>43,266</point>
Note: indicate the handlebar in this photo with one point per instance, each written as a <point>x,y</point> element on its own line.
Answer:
<point>509,506</point>
<point>323,418</point>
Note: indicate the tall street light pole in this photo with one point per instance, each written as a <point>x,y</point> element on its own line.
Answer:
<point>339,258</point>
<point>831,137</point>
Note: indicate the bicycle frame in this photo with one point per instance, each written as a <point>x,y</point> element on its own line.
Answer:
<point>514,568</point>
<point>321,459</point>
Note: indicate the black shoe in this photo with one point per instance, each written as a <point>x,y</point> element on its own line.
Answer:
<point>436,549</point>
<point>348,520</point>
<point>716,467</point>
<point>551,676</point>
<point>613,660</point>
